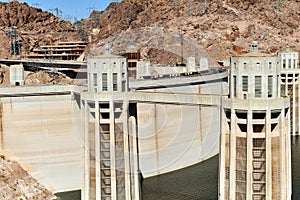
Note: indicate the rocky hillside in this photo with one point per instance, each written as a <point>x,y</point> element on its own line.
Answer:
<point>35,26</point>
<point>221,27</point>
<point>15,183</point>
<point>37,77</point>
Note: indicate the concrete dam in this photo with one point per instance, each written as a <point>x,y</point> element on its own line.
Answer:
<point>178,125</point>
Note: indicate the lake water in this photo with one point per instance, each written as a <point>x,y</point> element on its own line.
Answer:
<point>198,182</point>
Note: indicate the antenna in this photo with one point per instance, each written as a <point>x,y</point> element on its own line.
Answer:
<point>91,9</point>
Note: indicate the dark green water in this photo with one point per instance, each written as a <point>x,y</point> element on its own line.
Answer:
<point>198,182</point>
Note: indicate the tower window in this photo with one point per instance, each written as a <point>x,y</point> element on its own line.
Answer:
<point>257,65</point>
<point>115,81</point>
<point>234,86</point>
<point>257,86</point>
<point>245,83</point>
<point>95,79</point>
<point>270,65</point>
<point>104,81</point>
<point>270,85</point>
<point>283,63</point>
<point>290,63</point>
<point>245,65</point>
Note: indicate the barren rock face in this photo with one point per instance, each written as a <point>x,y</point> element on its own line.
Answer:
<point>15,183</point>
<point>222,27</point>
<point>35,27</point>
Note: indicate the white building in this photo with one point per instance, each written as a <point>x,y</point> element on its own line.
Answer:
<point>110,140</point>
<point>255,157</point>
<point>16,74</point>
<point>288,61</point>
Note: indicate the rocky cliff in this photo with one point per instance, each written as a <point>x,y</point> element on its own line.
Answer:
<point>35,27</point>
<point>15,183</point>
<point>221,27</point>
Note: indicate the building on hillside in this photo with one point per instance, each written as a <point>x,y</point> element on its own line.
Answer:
<point>59,51</point>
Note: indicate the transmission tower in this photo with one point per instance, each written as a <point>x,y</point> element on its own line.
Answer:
<point>37,5</point>
<point>91,9</point>
<point>12,32</point>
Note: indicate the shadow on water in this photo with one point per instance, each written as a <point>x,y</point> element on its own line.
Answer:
<point>198,182</point>
<point>72,195</point>
<point>295,140</point>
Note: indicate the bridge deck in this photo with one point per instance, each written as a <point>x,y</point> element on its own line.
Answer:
<point>133,96</point>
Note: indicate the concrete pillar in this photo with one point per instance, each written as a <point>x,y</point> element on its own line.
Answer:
<point>232,162</point>
<point>268,136</point>
<point>298,104</point>
<point>97,151</point>
<point>136,172</point>
<point>249,155</point>
<point>294,105</point>
<point>86,156</point>
<point>283,177</point>
<point>222,160</point>
<point>112,151</point>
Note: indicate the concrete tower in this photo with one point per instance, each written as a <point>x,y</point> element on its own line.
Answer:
<point>288,61</point>
<point>110,144</point>
<point>16,74</point>
<point>255,157</point>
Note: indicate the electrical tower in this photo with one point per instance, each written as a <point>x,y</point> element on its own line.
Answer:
<point>15,47</point>
<point>58,12</point>
<point>37,5</point>
<point>91,9</point>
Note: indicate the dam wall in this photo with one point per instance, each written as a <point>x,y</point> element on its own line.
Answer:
<point>41,128</point>
<point>39,132</point>
<point>172,137</point>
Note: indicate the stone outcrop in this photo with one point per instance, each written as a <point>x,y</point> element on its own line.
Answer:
<point>223,28</point>
<point>35,26</point>
<point>37,77</point>
<point>16,183</point>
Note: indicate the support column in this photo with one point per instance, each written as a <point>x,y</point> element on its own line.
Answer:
<point>298,104</point>
<point>294,105</point>
<point>222,160</point>
<point>127,153</point>
<point>133,133</point>
<point>113,151</point>
<point>283,155</point>
<point>288,157</point>
<point>97,151</point>
<point>249,155</point>
<point>286,85</point>
<point>86,157</point>
<point>232,158</point>
<point>268,136</point>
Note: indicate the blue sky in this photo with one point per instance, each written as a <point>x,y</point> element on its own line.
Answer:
<point>69,8</point>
